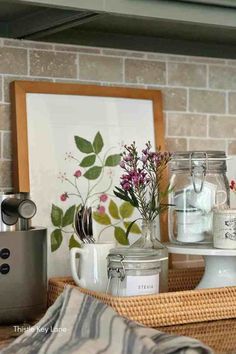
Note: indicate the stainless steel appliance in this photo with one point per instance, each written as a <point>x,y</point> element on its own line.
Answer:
<point>23,260</point>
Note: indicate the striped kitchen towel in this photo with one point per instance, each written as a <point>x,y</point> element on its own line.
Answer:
<point>78,323</point>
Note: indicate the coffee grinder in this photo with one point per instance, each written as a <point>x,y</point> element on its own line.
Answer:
<point>23,261</point>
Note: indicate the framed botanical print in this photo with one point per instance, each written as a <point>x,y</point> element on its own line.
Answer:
<point>67,140</point>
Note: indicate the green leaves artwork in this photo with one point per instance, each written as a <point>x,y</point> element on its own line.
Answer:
<point>56,215</point>
<point>121,220</point>
<point>83,145</point>
<point>112,160</point>
<point>60,220</point>
<point>69,216</point>
<point>102,218</point>
<point>113,210</point>
<point>98,143</point>
<point>56,239</point>
<point>91,184</point>
<point>93,173</point>
<point>88,161</point>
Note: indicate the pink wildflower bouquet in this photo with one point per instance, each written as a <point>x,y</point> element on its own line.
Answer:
<point>141,178</point>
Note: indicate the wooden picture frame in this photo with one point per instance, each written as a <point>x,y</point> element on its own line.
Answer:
<point>19,91</point>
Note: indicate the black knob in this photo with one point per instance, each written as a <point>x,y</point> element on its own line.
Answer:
<point>15,208</point>
<point>4,268</point>
<point>5,253</point>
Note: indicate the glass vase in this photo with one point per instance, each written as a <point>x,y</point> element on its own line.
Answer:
<point>150,238</point>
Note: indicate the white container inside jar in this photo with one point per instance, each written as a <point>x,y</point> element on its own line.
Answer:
<point>199,185</point>
<point>133,271</point>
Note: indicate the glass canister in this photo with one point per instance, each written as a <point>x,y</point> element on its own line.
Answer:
<point>133,271</point>
<point>199,185</point>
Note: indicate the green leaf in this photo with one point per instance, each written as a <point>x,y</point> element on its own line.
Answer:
<point>73,242</point>
<point>56,215</point>
<point>68,218</point>
<point>113,160</point>
<point>122,196</point>
<point>88,161</point>
<point>83,145</point>
<point>93,173</point>
<point>56,239</point>
<point>120,236</point>
<point>98,143</point>
<point>134,199</point>
<point>113,210</point>
<point>102,219</point>
<point>126,210</point>
<point>135,229</point>
<point>125,196</point>
<point>121,190</point>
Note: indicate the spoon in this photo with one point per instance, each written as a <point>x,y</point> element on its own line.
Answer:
<point>78,226</point>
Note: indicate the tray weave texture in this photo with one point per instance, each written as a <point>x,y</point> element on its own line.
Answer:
<point>180,305</point>
<point>219,335</point>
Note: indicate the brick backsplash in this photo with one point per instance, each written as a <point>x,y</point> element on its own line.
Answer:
<point>199,94</point>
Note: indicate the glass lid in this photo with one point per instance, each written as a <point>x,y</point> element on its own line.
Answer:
<point>133,254</point>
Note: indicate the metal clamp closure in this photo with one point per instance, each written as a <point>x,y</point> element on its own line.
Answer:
<point>119,271</point>
<point>198,171</point>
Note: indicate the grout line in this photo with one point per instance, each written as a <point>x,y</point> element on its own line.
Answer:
<point>208,125</point>
<point>188,142</point>
<point>28,62</point>
<point>166,56</point>
<point>6,189</point>
<point>187,101</point>
<point>1,145</point>
<point>227,102</point>
<point>2,87</point>
<point>194,137</point>
<point>2,159</point>
<point>3,91</point>
<point>188,112</point>
<point>189,87</point>
<point>6,103</point>
<point>164,59</point>
<point>167,124</point>
<point>123,69</point>
<point>147,85</point>
<point>227,147</point>
<point>207,76</point>
<point>5,131</point>
<point>78,66</point>
<point>203,113</point>
<point>167,73</point>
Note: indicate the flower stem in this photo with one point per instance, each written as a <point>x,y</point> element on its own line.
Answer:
<point>107,227</point>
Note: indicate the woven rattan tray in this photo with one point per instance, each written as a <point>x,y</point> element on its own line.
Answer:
<point>218,335</point>
<point>180,305</point>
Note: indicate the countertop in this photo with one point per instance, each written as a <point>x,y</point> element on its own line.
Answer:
<point>9,333</point>
<point>219,335</point>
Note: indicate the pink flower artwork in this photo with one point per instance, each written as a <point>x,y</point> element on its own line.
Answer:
<point>101,209</point>
<point>103,198</point>
<point>77,173</point>
<point>64,197</point>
